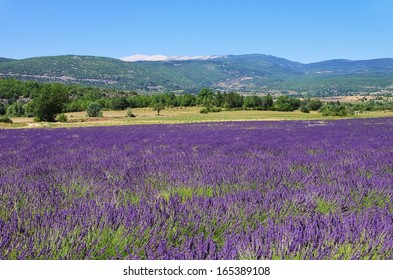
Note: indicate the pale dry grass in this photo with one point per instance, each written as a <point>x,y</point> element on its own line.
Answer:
<point>181,115</point>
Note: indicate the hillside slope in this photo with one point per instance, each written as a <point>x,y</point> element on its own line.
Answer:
<point>246,73</point>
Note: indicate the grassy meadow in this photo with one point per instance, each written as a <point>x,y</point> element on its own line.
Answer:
<point>182,115</point>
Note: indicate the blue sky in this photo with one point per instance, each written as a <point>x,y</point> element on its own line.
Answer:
<point>301,30</point>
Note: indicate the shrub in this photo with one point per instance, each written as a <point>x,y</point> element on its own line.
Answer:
<point>215,109</point>
<point>130,114</point>
<point>15,110</point>
<point>204,110</point>
<point>62,118</point>
<point>304,109</point>
<point>335,109</point>
<point>5,120</point>
<point>94,110</point>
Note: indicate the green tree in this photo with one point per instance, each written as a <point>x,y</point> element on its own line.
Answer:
<point>119,103</point>
<point>187,100</point>
<point>13,89</point>
<point>233,100</point>
<point>75,105</point>
<point>2,109</point>
<point>218,99</point>
<point>158,107</point>
<point>205,97</point>
<point>143,101</point>
<point>170,99</point>
<point>28,109</point>
<point>94,110</point>
<point>314,104</point>
<point>62,118</point>
<point>5,120</point>
<point>335,109</point>
<point>266,102</point>
<point>15,110</point>
<point>158,98</point>
<point>50,101</point>
<point>286,103</point>
<point>252,101</point>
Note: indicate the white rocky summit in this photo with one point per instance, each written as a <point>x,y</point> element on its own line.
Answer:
<point>159,57</point>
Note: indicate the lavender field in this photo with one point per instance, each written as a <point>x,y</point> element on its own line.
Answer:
<point>234,190</point>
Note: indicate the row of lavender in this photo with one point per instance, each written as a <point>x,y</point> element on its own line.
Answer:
<point>237,190</point>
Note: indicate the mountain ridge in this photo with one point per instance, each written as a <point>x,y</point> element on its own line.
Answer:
<point>245,73</point>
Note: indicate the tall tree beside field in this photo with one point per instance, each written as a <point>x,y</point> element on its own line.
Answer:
<point>252,101</point>
<point>266,102</point>
<point>233,100</point>
<point>187,100</point>
<point>158,107</point>
<point>50,101</point>
<point>205,97</point>
<point>2,109</point>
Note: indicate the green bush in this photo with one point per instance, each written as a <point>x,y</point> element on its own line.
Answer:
<point>5,120</point>
<point>15,110</point>
<point>94,110</point>
<point>215,109</point>
<point>336,109</point>
<point>304,109</point>
<point>62,118</point>
<point>204,110</point>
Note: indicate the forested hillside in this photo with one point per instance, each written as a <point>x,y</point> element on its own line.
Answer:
<point>243,73</point>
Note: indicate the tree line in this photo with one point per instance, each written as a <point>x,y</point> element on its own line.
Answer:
<point>47,101</point>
